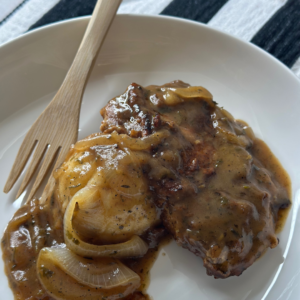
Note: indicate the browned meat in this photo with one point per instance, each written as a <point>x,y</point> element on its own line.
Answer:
<point>217,189</point>
<point>217,198</point>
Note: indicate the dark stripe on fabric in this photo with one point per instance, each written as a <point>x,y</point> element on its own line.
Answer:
<point>66,9</point>
<point>13,12</point>
<point>280,36</point>
<point>197,10</point>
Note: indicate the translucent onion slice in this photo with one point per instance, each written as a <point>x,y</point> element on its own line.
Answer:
<point>193,92</point>
<point>94,140</point>
<point>127,141</point>
<point>131,248</point>
<point>103,273</point>
<point>175,96</point>
<point>227,115</point>
<point>249,132</point>
<point>232,138</point>
<point>127,179</point>
<point>144,143</point>
<point>66,276</point>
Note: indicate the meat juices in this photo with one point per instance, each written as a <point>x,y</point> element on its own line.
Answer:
<point>217,197</point>
<point>217,189</point>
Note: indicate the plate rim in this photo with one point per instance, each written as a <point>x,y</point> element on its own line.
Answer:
<point>35,31</point>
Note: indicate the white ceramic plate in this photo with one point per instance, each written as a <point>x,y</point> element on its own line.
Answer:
<point>252,85</point>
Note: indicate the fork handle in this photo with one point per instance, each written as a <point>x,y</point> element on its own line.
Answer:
<point>72,87</point>
<point>74,82</point>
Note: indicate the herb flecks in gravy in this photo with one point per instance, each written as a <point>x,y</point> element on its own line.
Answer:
<point>33,227</point>
<point>203,177</point>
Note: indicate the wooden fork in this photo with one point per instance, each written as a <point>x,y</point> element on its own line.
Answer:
<point>57,127</point>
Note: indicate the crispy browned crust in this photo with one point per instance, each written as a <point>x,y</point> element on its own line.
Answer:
<point>217,199</point>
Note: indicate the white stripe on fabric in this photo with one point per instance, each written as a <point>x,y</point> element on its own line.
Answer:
<point>27,15</point>
<point>244,18</point>
<point>143,6</point>
<point>296,68</point>
<point>7,6</point>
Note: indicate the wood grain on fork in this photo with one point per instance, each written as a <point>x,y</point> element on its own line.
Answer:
<point>56,129</point>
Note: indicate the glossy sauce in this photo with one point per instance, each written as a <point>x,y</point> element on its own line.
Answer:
<point>35,226</point>
<point>20,256</point>
<point>263,153</point>
<point>32,228</point>
<point>218,198</point>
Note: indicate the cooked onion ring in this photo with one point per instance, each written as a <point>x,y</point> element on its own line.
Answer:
<point>134,247</point>
<point>98,278</point>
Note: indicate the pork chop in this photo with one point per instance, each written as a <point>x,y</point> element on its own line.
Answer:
<point>217,197</point>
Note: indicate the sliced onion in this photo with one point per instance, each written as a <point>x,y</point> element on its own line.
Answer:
<point>67,276</point>
<point>134,247</point>
<point>144,143</point>
<point>228,115</point>
<point>127,177</point>
<point>192,92</point>
<point>94,140</point>
<point>249,132</point>
<point>123,139</point>
<point>123,184</point>
<point>103,273</point>
<point>127,180</point>
<point>232,138</point>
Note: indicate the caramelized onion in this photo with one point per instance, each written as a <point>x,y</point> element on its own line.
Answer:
<point>228,115</point>
<point>132,143</point>
<point>123,184</point>
<point>232,138</point>
<point>83,278</point>
<point>133,247</point>
<point>249,132</point>
<point>174,96</point>
<point>101,272</point>
<point>144,143</point>
<point>94,140</point>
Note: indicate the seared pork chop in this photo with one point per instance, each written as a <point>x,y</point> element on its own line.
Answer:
<point>217,198</point>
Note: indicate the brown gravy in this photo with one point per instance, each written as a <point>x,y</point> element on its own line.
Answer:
<point>31,229</point>
<point>35,226</point>
<point>263,153</point>
<point>20,261</point>
<point>143,265</point>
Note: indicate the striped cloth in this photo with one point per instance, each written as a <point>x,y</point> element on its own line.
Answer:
<point>273,25</point>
